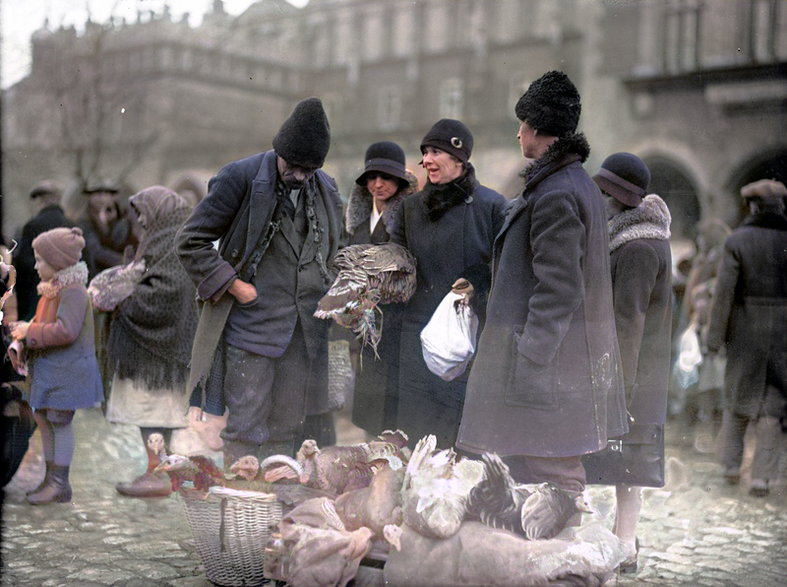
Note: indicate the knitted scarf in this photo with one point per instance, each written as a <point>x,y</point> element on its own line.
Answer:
<point>651,219</point>
<point>153,329</point>
<point>440,198</point>
<point>76,273</point>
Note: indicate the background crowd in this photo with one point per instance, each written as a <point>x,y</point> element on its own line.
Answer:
<point>202,321</point>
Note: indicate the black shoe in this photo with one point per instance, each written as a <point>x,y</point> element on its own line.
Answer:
<point>732,475</point>
<point>631,564</point>
<point>758,488</point>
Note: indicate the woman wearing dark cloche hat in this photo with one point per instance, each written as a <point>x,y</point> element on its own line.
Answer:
<point>371,209</point>
<point>449,227</point>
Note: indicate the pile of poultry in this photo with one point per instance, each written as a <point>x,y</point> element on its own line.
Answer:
<point>341,502</point>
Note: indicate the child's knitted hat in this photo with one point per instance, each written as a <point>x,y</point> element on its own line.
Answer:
<point>60,247</point>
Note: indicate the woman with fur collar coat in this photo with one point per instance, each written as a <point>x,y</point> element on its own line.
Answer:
<point>449,227</point>
<point>369,216</point>
<point>641,269</point>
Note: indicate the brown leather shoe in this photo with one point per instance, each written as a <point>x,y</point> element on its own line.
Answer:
<point>56,490</point>
<point>146,485</point>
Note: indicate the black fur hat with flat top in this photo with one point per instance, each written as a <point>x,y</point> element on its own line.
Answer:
<point>550,105</point>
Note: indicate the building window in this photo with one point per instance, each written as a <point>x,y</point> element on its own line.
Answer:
<point>452,98</point>
<point>761,34</point>
<point>390,107</point>
<point>681,36</point>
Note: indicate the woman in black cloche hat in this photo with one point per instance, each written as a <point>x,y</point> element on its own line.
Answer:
<point>450,227</point>
<point>371,209</point>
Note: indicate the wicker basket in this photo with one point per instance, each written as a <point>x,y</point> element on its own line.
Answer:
<point>231,529</point>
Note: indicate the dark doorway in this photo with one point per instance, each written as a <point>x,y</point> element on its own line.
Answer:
<point>670,182</point>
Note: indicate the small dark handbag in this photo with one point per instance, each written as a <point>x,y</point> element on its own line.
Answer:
<point>634,459</point>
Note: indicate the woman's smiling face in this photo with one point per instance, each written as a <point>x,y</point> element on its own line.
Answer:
<point>441,167</point>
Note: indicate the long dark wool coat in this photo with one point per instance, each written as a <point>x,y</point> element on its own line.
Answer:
<point>450,231</point>
<point>749,312</point>
<point>546,380</point>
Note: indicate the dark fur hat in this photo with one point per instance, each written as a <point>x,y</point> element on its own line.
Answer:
<point>551,105</point>
<point>625,177</point>
<point>305,137</point>
<point>385,157</point>
<point>451,136</point>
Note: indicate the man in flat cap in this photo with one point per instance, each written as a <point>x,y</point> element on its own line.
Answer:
<point>546,386</point>
<point>749,318</point>
<point>278,221</point>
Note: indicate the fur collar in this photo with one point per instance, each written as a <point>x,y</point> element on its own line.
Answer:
<point>76,273</point>
<point>439,198</point>
<point>575,144</point>
<point>359,205</point>
<point>651,219</point>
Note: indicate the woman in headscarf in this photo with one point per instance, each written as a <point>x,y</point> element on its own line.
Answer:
<point>449,227</point>
<point>150,339</point>
<point>369,216</point>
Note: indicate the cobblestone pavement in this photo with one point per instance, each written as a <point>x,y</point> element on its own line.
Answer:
<point>694,531</point>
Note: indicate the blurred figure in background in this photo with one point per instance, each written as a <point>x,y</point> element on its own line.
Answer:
<point>150,337</point>
<point>109,234</point>
<point>704,408</point>
<point>641,266</point>
<point>45,197</point>
<point>749,318</point>
<point>371,209</point>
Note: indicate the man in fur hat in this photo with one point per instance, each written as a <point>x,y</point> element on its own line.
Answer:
<point>749,318</point>
<point>546,385</point>
<point>278,221</point>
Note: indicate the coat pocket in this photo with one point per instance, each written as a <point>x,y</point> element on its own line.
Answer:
<point>530,384</point>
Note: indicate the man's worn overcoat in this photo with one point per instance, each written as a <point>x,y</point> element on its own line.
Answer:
<point>546,379</point>
<point>238,212</point>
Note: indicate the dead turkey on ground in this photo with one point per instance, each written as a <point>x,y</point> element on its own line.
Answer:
<point>535,511</point>
<point>369,275</point>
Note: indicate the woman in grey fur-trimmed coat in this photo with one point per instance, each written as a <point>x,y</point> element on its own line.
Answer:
<point>371,209</point>
<point>641,268</point>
